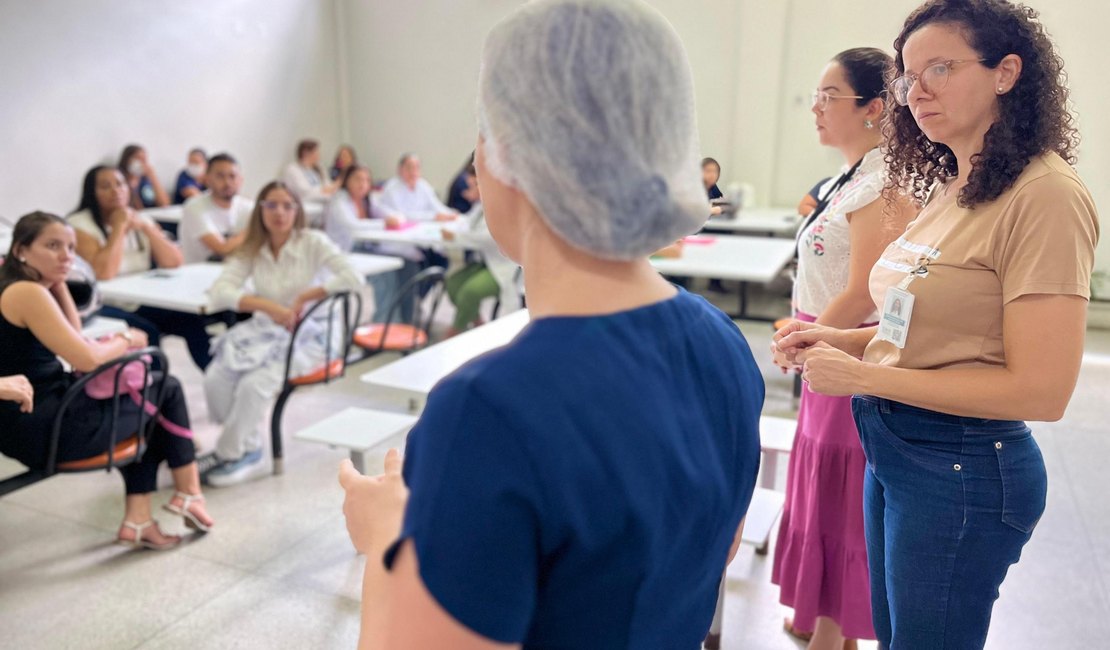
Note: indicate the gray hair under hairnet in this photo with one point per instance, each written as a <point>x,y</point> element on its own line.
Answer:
<point>587,107</point>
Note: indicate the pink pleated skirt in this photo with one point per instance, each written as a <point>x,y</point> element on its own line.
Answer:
<point>820,559</point>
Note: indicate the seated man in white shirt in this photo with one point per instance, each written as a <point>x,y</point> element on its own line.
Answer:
<point>214,223</point>
<point>413,196</point>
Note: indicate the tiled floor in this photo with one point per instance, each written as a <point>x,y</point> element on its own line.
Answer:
<point>279,572</point>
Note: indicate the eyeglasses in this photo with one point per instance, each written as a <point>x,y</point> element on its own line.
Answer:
<point>933,79</point>
<point>820,99</point>
<point>288,206</point>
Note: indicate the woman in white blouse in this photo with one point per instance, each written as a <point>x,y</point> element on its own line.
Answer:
<point>352,210</point>
<point>117,240</point>
<point>821,558</point>
<point>284,262</point>
<point>304,177</point>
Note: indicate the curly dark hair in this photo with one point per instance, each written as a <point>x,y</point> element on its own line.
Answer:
<point>1033,117</point>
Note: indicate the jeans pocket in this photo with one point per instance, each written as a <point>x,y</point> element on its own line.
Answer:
<point>1024,482</point>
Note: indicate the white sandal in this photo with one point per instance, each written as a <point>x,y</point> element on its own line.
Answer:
<point>182,510</point>
<point>139,542</point>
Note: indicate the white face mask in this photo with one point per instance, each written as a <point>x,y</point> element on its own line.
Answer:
<point>135,168</point>
<point>196,171</point>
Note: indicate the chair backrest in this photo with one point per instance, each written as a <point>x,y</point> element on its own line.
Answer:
<point>146,357</point>
<point>426,286</point>
<point>343,309</point>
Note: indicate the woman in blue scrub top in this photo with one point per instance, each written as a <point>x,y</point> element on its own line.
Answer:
<point>582,487</point>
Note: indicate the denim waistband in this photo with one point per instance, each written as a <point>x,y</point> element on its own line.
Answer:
<point>971,425</point>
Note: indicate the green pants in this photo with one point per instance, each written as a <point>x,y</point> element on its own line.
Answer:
<point>467,288</point>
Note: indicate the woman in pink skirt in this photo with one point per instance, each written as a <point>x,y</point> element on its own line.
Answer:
<point>820,558</point>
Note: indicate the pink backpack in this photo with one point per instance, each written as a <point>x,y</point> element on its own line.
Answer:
<point>103,387</point>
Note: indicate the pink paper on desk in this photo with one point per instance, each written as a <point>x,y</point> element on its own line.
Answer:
<point>404,226</point>
<point>699,239</point>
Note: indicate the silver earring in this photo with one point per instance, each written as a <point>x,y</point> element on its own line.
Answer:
<point>23,260</point>
<point>868,125</point>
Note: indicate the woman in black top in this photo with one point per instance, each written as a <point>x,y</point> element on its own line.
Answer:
<point>39,324</point>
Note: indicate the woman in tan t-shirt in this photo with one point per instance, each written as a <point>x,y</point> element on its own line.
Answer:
<point>983,312</point>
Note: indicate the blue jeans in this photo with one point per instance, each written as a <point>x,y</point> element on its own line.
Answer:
<point>949,502</point>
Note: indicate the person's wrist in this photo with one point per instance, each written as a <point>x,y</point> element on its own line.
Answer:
<point>868,378</point>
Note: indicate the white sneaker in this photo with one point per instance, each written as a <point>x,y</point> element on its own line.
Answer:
<point>247,468</point>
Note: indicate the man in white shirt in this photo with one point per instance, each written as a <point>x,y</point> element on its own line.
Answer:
<point>215,223</point>
<point>413,196</point>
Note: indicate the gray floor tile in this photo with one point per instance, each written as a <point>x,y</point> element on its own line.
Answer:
<point>264,613</point>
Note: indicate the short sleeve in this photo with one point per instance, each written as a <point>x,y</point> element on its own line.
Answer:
<point>1048,238</point>
<point>473,513</point>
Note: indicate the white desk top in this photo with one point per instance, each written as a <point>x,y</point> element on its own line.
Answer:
<point>419,372</point>
<point>182,289</point>
<point>729,257</point>
<point>366,264</point>
<point>173,213</point>
<point>357,428</point>
<point>186,287</point>
<point>99,326</point>
<point>780,222</point>
<point>167,214</point>
<point>424,233</point>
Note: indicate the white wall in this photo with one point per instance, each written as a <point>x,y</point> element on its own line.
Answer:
<point>412,70</point>
<point>82,78</point>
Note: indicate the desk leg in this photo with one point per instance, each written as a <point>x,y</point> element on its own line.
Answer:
<point>743,315</point>
<point>359,460</point>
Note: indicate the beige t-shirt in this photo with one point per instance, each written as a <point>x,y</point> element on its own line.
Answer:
<point>1038,237</point>
<point>137,255</point>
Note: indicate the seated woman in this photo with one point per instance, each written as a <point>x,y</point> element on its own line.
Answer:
<point>352,209</point>
<point>583,486</point>
<point>116,240</point>
<point>38,326</point>
<point>191,181</point>
<point>493,276</point>
<point>344,158</point>
<point>710,175</point>
<point>146,189</point>
<point>463,192</point>
<point>284,262</point>
<point>18,389</point>
<point>304,178</point>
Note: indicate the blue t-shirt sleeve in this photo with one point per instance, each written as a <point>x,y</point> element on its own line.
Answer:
<point>473,512</point>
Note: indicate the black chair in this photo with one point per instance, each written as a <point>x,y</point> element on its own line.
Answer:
<point>389,336</point>
<point>348,304</point>
<point>123,448</point>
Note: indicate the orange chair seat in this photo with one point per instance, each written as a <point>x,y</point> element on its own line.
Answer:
<point>124,450</point>
<point>401,337</point>
<point>333,370</point>
<point>781,323</point>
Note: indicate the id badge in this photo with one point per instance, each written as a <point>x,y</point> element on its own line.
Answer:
<point>894,324</point>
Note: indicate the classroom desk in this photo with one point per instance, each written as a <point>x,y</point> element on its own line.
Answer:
<point>730,257</point>
<point>773,222</point>
<point>99,326</point>
<point>425,234</point>
<point>185,288</point>
<point>171,214</point>
<point>416,374</point>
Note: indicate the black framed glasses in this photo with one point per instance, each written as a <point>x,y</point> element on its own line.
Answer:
<point>933,79</point>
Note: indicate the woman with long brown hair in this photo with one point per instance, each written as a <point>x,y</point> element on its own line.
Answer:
<point>982,317</point>
<point>283,260</point>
